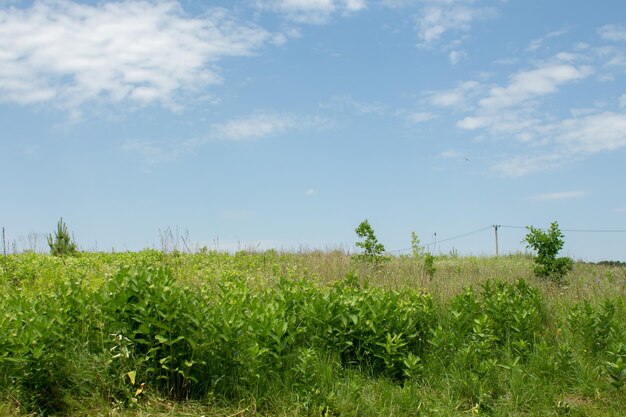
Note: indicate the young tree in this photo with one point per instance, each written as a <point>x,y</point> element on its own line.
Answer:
<point>547,245</point>
<point>373,251</point>
<point>423,256</point>
<point>62,243</point>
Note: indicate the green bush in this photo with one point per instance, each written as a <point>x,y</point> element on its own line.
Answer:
<point>547,245</point>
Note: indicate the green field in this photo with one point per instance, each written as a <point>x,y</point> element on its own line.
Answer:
<point>307,334</point>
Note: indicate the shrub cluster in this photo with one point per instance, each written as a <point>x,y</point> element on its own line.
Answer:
<point>141,332</point>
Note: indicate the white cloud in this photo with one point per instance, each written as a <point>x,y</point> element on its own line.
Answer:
<point>310,192</point>
<point>568,140</point>
<point>514,111</point>
<point>262,124</point>
<point>456,56</point>
<point>506,61</point>
<point>595,133</point>
<point>451,154</point>
<point>613,32</point>
<point>456,97</point>
<point>157,152</point>
<point>420,117</point>
<point>538,42</point>
<point>529,84</point>
<point>143,52</point>
<point>259,125</point>
<point>522,165</point>
<point>436,18</point>
<point>562,195</point>
<point>345,102</point>
<point>310,11</point>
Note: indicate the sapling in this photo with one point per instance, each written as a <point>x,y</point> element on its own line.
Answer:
<point>373,251</point>
<point>547,244</point>
<point>62,243</point>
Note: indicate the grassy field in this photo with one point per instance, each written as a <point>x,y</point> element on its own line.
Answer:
<point>308,334</point>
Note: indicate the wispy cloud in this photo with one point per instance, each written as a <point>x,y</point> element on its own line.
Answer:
<point>344,102</point>
<point>437,18</point>
<point>451,154</point>
<point>459,97</point>
<point>143,52</point>
<point>257,126</point>
<point>265,124</point>
<point>514,111</point>
<point>529,84</point>
<point>562,195</point>
<point>420,117</point>
<point>310,11</point>
<point>568,140</point>
<point>310,192</point>
<point>456,56</point>
<point>443,22</point>
<point>538,42</point>
<point>613,32</point>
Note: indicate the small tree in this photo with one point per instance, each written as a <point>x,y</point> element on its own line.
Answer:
<point>418,250</point>
<point>62,243</point>
<point>547,245</point>
<point>373,251</point>
<point>423,256</point>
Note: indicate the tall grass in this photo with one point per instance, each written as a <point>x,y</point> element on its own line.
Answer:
<point>307,334</point>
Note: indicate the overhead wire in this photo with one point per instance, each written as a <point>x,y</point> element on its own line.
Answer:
<point>482,229</point>
<point>434,242</point>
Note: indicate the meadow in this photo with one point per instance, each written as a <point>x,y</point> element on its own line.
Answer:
<point>307,334</point>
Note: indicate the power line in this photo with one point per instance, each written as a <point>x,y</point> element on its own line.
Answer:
<point>482,229</point>
<point>445,240</point>
<point>575,230</point>
<point>595,230</point>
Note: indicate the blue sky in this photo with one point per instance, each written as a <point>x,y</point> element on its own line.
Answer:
<point>284,123</point>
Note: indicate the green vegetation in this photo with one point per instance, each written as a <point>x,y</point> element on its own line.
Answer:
<point>547,245</point>
<point>148,333</point>
<point>62,243</point>
<point>423,256</point>
<point>373,251</point>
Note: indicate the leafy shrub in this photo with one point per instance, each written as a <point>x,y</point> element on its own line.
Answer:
<point>376,328</point>
<point>595,326</point>
<point>547,245</point>
<point>616,366</point>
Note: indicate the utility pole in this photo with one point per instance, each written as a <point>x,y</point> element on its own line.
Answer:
<point>4,248</point>
<point>495,229</point>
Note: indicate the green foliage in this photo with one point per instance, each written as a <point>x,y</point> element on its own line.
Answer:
<point>429,264</point>
<point>416,248</point>
<point>422,256</point>
<point>547,245</point>
<point>132,329</point>
<point>616,366</point>
<point>62,243</point>
<point>595,326</point>
<point>373,251</point>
